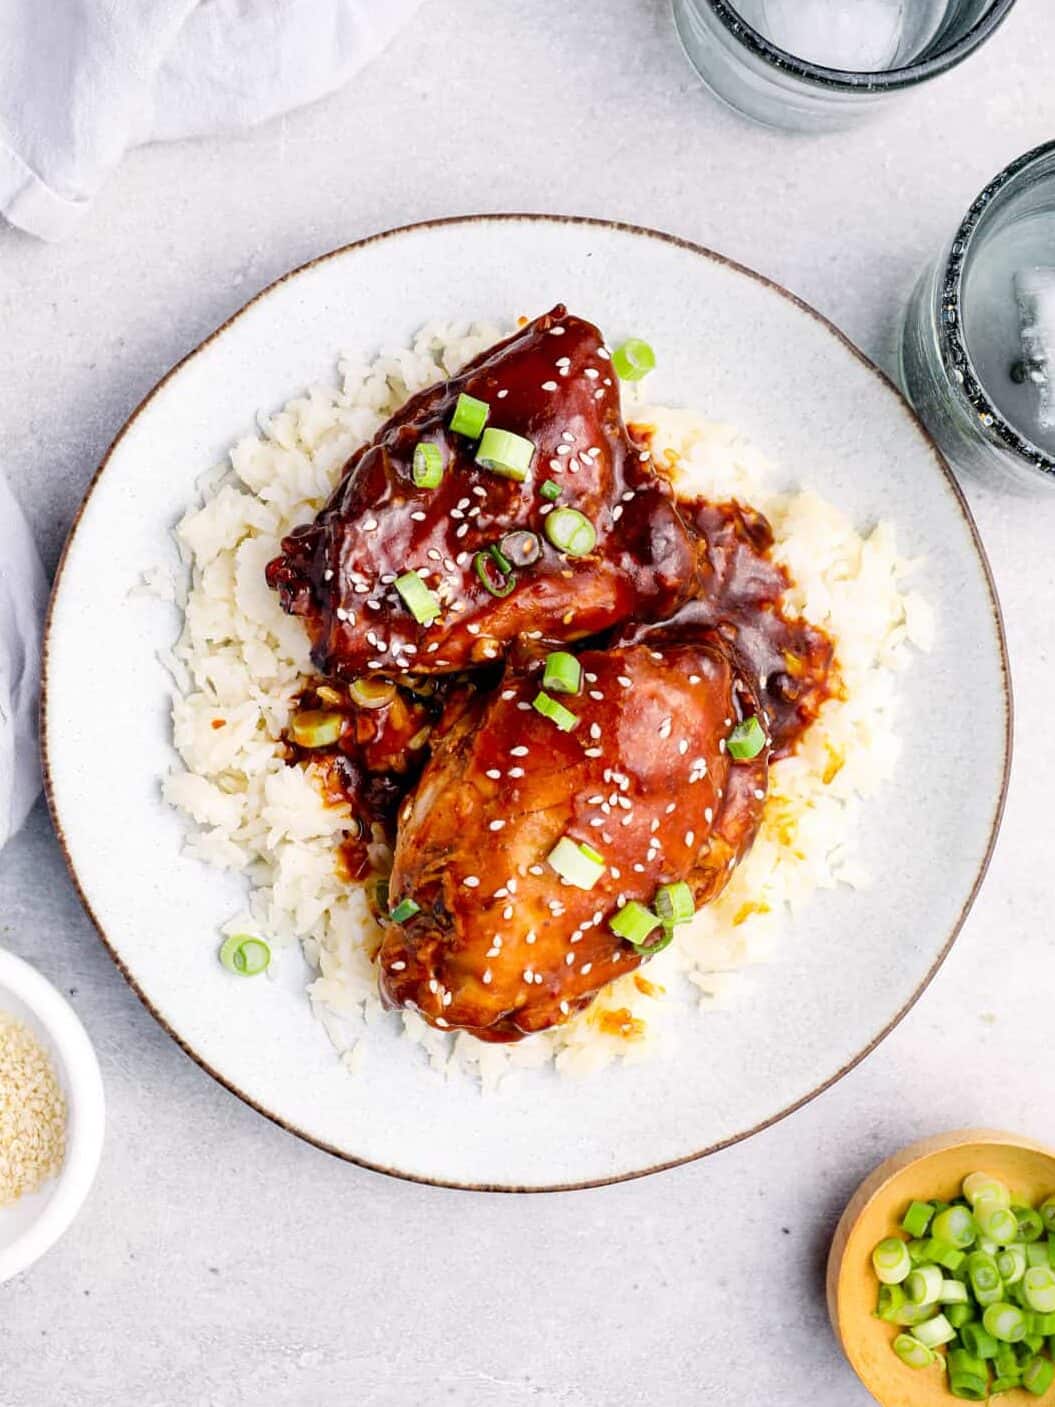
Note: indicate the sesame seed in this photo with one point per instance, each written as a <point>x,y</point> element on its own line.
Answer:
<point>624,681</point>
<point>507,912</point>
<point>471,881</point>
<point>586,968</point>
<point>536,869</point>
<point>593,752</point>
<point>617,513</point>
<point>708,815</point>
<point>398,966</point>
<point>595,730</point>
<point>564,449</point>
<point>496,825</point>
<point>530,937</point>
<point>596,694</point>
<point>434,986</point>
<point>549,385</point>
<point>557,331</point>
<point>564,1008</point>
<point>370,525</point>
<point>596,820</point>
<point>494,774</point>
<point>569,959</point>
<point>519,751</point>
<point>759,794</point>
<point>487,977</point>
<point>515,772</point>
<point>683,747</point>
<point>440,1021</point>
<point>503,393</point>
<point>418,516</point>
<point>690,837</point>
<point>448,997</point>
<point>591,372</point>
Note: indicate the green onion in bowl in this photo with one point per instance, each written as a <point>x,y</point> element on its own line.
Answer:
<point>245,956</point>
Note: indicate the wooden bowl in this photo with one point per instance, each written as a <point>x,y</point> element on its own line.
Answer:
<point>934,1167</point>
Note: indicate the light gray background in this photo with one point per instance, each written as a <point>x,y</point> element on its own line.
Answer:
<point>218,1260</point>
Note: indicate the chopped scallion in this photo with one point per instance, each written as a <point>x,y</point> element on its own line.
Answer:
<point>1005,1322</point>
<point>674,903</point>
<point>633,922</point>
<point>563,717</point>
<point>1038,1288</point>
<point>563,673</point>
<point>245,956</point>
<point>891,1261</point>
<point>505,454</point>
<point>522,547</point>
<point>491,574</point>
<point>580,865</point>
<point>406,908</point>
<point>470,416</point>
<point>427,465</point>
<point>935,1332</point>
<point>913,1352</point>
<point>633,359</point>
<point>419,600</point>
<point>548,489</point>
<point>746,740</point>
<point>917,1219</point>
<point>571,531</point>
<point>313,727</point>
<point>968,1376</point>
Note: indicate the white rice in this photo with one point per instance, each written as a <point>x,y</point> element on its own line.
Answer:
<point>240,661</point>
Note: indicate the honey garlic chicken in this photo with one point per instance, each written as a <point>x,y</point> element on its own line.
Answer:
<point>532,832</point>
<point>509,501</point>
<point>551,686</point>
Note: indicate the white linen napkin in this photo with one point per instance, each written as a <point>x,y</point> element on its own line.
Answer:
<point>81,81</point>
<point>23,594</point>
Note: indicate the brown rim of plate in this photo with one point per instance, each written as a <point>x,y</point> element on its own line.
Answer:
<point>955,490</point>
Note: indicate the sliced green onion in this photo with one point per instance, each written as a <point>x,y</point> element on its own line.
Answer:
<point>591,853</point>
<point>1008,1384</point>
<point>427,465</point>
<point>505,453</point>
<point>920,1251</point>
<point>555,712</point>
<point>909,1315</point>
<point>1030,1224</point>
<point>1023,1353</point>
<point>1005,1361</point>
<point>891,1299</point>
<point>1038,1288</point>
<point>633,922</point>
<point>651,946</point>
<point>934,1332</point>
<point>968,1376</point>
<point>953,1292</point>
<point>995,1221</point>
<point>571,531</point>
<point>746,740</point>
<point>978,1341</point>
<point>891,1260</point>
<point>917,1218</point>
<point>1038,1376</point>
<point>490,572</point>
<point>1005,1322</point>
<point>984,1277</point>
<point>406,908</point>
<point>563,673</point>
<point>470,416</point>
<point>312,727</point>
<point>923,1286</point>
<point>979,1184</point>
<point>419,600</point>
<point>578,864</point>
<point>955,1226</point>
<point>372,693</point>
<point>548,489</point>
<point>633,359</point>
<point>1012,1264</point>
<point>522,547</point>
<point>948,1257</point>
<point>500,557</point>
<point>959,1314</point>
<point>1042,1324</point>
<point>912,1351</point>
<point>1037,1254</point>
<point>1047,1215</point>
<point>245,956</point>
<point>674,903</point>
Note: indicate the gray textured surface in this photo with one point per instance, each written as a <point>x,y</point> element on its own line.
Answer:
<point>219,1261</point>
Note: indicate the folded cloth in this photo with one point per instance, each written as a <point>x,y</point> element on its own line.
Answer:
<point>81,81</point>
<point>23,595</point>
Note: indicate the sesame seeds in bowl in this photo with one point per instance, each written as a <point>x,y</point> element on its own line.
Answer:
<point>51,1115</point>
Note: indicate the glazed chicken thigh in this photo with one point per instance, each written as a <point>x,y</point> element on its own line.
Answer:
<point>502,945</point>
<point>552,385</point>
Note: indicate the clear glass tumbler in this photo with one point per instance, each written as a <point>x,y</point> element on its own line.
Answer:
<point>977,347</point>
<point>812,65</point>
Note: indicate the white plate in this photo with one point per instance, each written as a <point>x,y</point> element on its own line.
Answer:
<point>729,344</point>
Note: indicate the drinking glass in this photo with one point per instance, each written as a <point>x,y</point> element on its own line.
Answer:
<point>964,361</point>
<point>810,65</point>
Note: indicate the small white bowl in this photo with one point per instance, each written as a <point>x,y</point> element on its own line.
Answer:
<point>35,1222</point>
